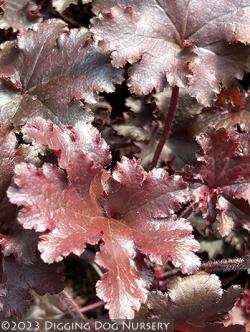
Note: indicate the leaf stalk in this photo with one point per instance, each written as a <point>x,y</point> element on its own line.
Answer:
<point>72,307</point>
<point>167,126</point>
<point>225,265</point>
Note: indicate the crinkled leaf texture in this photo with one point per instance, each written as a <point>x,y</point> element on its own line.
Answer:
<point>239,314</point>
<point>21,262</point>
<point>231,109</point>
<point>180,42</point>
<point>221,178</point>
<point>19,14</point>
<point>196,303</point>
<point>65,67</point>
<point>129,211</point>
<point>13,239</point>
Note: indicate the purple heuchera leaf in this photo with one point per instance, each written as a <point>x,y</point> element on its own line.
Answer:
<point>197,303</point>
<point>222,177</point>
<point>21,261</point>
<point>19,279</point>
<point>183,43</point>
<point>66,67</point>
<point>85,204</point>
<point>19,14</point>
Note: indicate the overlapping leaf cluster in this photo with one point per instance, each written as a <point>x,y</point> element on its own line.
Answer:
<point>73,175</point>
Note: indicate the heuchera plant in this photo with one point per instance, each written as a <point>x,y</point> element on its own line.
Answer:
<point>125,132</point>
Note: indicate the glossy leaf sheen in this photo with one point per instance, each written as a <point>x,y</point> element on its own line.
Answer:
<point>66,66</point>
<point>222,175</point>
<point>128,211</point>
<point>195,302</point>
<point>19,14</point>
<point>180,42</point>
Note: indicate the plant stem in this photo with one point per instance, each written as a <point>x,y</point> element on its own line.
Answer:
<point>167,126</point>
<point>70,304</point>
<point>225,265</point>
<point>92,306</point>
